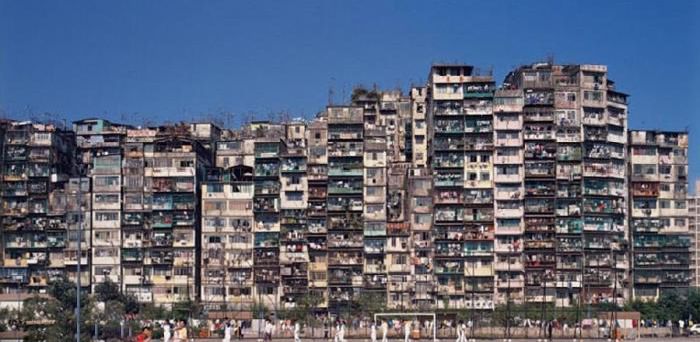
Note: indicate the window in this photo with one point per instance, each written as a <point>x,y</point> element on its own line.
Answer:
<point>106,216</point>
<point>215,188</point>
<point>680,222</point>
<point>294,196</point>
<point>665,204</point>
<point>422,218</point>
<point>374,191</point>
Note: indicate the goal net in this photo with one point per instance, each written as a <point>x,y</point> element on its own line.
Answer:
<point>414,316</point>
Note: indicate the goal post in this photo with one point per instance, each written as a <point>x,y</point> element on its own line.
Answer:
<point>413,314</point>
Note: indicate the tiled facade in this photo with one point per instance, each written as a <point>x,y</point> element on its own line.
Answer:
<point>457,195</point>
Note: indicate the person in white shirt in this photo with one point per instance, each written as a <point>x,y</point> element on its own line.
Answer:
<point>227,332</point>
<point>385,330</point>
<point>167,334</point>
<point>407,331</point>
<point>373,332</point>
<point>342,332</point>
<point>464,332</point>
<point>297,332</point>
<point>460,332</point>
<point>269,328</point>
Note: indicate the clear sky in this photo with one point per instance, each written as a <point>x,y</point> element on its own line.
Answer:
<point>154,61</point>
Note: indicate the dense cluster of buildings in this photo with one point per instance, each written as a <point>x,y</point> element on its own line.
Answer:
<point>459,194</point>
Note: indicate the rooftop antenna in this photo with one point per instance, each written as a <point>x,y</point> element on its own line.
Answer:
<point>344,98</point>
<point>550,59</point>
<point>331,92</point>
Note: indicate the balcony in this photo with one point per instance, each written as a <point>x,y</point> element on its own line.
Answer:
<point>504,266</point>
<point>473,90</point>
<point>518,282</point>
<point>508,122</point>
<point>509,193</point>
<point>539,98</point>
<point>506,212</point>
<point>510,175</point>
<point>508,245</point>
<point>509,226</point>
<point>593,98</point>
<point>346,170</point>
<point>509,101</point>
<point>512,140</point>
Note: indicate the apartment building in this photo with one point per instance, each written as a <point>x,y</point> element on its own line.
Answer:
<point>226,267</point>
<point>345,208</point>
<point>266,214</point>
<point>459,195</point>
<point>99,145</point>
<point>508,195</point>
<point>659,214</point>
<point>317,218</point>
<point>176,164</point>
<point>137,235</point>
<point>461,130</point>
<point>37,161</point>
<point>294,254</point>
<point>694,230</point>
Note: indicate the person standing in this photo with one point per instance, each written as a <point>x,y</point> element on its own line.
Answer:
<point>326,329</point>
<point>227,331</point>
<point>373,332</point>
<point>407,331</point>
<point>342,331</point>
<point>167,334</point>
<point>297,332</point>
<point>460,333</point>
<point>269,328</point>
<point>145,335</point>
<point>180,332</point>
<point>385,330</point>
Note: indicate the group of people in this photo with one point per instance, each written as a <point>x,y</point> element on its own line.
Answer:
<point>171,333</point>
<point>232,328</point>
<point>269,330</point>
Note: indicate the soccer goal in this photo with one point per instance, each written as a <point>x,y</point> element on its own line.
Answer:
<point>414,315</point>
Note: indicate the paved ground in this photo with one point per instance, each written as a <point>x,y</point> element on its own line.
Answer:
<point>675,339</point>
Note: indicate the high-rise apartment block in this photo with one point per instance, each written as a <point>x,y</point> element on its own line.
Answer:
<point>659,213</point>
<point>694,230</point>
<point>460,194</point>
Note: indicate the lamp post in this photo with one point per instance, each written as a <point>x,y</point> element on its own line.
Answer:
<point>80,256</point>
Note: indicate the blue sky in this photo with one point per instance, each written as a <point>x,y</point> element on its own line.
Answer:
<point>141,61</point>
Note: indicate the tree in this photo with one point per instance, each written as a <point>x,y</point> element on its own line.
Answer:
<point>369,303</point>
<point>107,291</point>
<point>53,318</point>
<point>185,310</point>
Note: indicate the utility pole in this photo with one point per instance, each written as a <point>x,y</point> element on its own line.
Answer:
<point>473,325</point>
<point>510,250</point>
